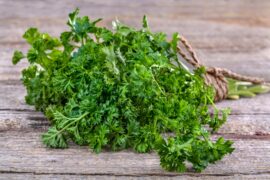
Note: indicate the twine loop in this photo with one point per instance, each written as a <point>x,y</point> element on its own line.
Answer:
<point>214,76</point>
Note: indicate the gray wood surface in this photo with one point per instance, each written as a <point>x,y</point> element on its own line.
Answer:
<point>25,153</point>
<point>228,33</point>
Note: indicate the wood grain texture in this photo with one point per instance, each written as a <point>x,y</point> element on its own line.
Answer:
<point>238,125</point>
<point>25,153</point>
<point>12,96</point>
<point>233,34</point>
<point>228,33</point>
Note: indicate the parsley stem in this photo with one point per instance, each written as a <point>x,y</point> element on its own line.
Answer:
<point>157,83</point>
<point>212,103</point>
<point>178,63</point>
<point>186,144</point>
<point>75,120</point>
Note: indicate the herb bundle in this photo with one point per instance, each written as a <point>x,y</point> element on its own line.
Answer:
<point>121,89</point>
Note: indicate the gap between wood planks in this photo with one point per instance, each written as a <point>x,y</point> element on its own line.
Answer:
<point>110,175</point>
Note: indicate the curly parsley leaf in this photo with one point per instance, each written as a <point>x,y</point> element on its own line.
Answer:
<point>17,56</point>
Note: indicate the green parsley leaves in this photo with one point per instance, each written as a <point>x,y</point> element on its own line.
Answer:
<point>122,89</point>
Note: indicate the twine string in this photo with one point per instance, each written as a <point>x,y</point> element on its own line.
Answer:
<point>214,76</point>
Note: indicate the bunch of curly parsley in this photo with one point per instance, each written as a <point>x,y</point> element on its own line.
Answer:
<point>121,89</point>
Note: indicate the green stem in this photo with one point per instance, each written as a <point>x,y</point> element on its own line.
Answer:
<point>75,120</point>
<point>207,140</point>
<point>212,103</point>
<point>157,83</point>
<point>186,144</point>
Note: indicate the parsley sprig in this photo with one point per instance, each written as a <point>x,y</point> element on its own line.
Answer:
<point>122,88</point>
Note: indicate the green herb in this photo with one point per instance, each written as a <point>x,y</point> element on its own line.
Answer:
<point>121,89</point>
<point>239,89</point>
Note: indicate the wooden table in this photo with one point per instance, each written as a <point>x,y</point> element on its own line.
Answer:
<point>234,34</point>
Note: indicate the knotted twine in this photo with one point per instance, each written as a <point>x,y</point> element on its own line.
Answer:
<point>214,76</point>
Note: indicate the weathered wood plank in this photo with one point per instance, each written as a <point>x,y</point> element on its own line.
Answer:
<point>8,71</point>
<point>23,152</point>
<point>236,124</point>
<point>257,105</point>
<point>22,121</point>
<point>246,125</point>
<point>237,12</point>
<point>12,96</point>
<point>230,34</point>
<point>23,176</point>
